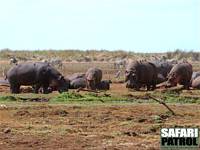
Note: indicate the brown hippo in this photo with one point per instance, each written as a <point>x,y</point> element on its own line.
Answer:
<point>141,73</point>
<point>93,77</point>
<point>196,83</point>
<point>181,73</point>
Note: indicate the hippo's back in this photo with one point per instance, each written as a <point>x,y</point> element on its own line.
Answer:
<point>25,73</point>
<point>76,76</point>
<point>78,83</point>
<point>182,69</point>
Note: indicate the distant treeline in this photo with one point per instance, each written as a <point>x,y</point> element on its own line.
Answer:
<point>94,55</point>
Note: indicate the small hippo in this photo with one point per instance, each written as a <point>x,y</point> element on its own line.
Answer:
<point>78,83</point>
<point>93,77</point>
<point>104,85</point>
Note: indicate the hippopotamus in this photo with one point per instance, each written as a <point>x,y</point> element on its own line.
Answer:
<point>160,78</point>
<point>196,83</point>
<point>54,85</point>
<point>140,74</point>
<point>78,83</point>
<point>93,77</point>
<point>181,73</point>
<point>76,76</point>
<point>38,74</point>
<point>163,68</point>
<point>104,85</point>
<point>195,75</point>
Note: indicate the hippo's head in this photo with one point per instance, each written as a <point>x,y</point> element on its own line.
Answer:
<point>172,80</point>
<point>127,75</point>
<point>131,81</point>
<point>61,84</point>
<point>64,84</point>
<point>91,81</point>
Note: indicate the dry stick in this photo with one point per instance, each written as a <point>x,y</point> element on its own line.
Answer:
<point>176,89</point>
<point>163,84</point>
<point>82,89</point>
<point>163,103</point>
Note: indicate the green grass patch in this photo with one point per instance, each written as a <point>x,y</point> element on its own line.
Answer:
<point>96,98</point>
<point>8,98</point>
<point>93,97</point>
<point>175,98</point>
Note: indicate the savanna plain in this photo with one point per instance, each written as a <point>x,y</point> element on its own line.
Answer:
<point>115,119</point>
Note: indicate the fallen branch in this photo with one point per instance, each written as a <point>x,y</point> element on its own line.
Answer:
<point>176,88</point>
<point>88,90</point>
<point>161,85</point>
<point>163,103</point>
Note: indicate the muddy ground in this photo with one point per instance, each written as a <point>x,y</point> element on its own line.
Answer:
<point>45,126</point>
<point>96,126</point>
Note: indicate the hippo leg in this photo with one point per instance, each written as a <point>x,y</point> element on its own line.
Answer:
<point>137,87</point>
<point>15,88</point>
<point>148,87</point>
<point>153,86</point>
<point>36,88</point>
<point>46,88</point>
<point>187,85</point>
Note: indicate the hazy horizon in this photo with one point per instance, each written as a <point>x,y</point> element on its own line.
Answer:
<point>130,25</point>
<point>134,51</point>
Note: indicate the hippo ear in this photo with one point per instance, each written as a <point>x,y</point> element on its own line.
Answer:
<point>89,77</point>
<point>60,77</point>
<point>45,71</point>
<point>127,73</point>
<point>133,74</point>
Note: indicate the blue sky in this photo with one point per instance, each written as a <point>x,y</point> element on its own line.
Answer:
<point>138,25</point>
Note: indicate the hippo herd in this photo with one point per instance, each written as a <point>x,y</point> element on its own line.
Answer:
<point>45,78</point>
<point>148,74</point>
